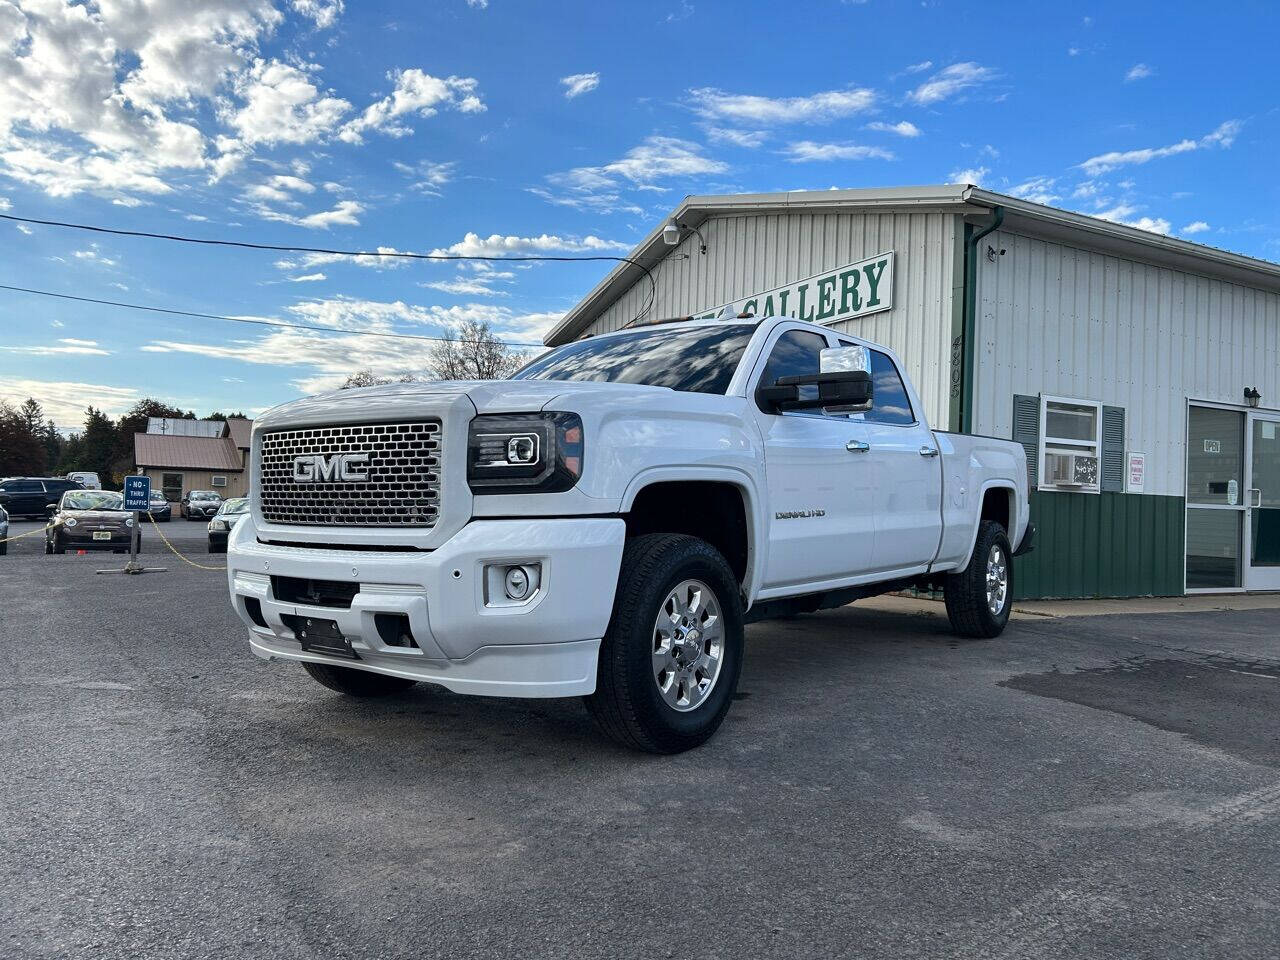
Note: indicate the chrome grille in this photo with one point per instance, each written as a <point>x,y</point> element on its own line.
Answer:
<point>402,489</point>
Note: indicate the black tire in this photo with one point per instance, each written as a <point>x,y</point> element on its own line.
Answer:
<point>966,591</point>
<point>4,549</point>
<point>58,545</point>
<point>627,704</point>
<point>356,683</point>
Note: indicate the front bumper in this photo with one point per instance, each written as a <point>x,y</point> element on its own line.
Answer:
<point>76,540</point>
<point>545,647</point>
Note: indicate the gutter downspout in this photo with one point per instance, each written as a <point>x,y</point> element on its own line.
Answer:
<point>969,346</point>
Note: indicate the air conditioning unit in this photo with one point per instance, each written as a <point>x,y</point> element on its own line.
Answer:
<point>1070,470</point>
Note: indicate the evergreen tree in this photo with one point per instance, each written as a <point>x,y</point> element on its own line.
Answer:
<point>22,451</point>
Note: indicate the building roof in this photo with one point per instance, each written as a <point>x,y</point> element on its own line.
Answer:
<point>240,430</point>
<point>1020,216</point>
<point>186,453</point>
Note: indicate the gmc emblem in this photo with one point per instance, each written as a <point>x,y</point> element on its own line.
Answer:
<point>317,468</point>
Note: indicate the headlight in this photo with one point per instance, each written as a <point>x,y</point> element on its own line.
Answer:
<point>70,521</point>
<point>217,525</point>
<point>128,521</point>
<point>524,453</point>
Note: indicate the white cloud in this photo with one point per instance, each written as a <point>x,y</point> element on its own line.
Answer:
<point>657,158</point>
<point>737,138</point>
<point>920,67</point>
<point>307,278</point>
<point>1123,213</point>
<point>1037,190</point>
<point>579,83</point>
<point>1196,226</point>
<point>64,347</point>
<point>466,287</point>
<point>714,104</point>
<point>904,128</point>
<point>951,81</point>
<point>429,178</point>
<point>1223,135</point>
<point>1139,71</point>
<point>807,151</point>
<point>330,358</point>
<point>283,104</point>
<point>93,254</point>
<point>973,175</point>
<point>345,214</point>
<point>380,259</point>
<point>324,12</point>
<point>416,94</point>
<point>65,401</point>
<point>1086,189</point>
<point>496,245</point>
<point>478,4</point>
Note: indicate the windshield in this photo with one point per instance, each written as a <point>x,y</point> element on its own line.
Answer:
<point>92,500</point>
<point>236,505</point>
<point>204,495</point>
<point>693,359</point>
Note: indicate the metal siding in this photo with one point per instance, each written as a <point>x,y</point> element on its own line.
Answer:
<point>753,252</point>
<point>1070,322</point>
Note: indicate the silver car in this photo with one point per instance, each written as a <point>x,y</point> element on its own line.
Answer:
<point>4,532</point>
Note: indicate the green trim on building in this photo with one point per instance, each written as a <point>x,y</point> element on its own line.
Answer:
<point>1103,545</point>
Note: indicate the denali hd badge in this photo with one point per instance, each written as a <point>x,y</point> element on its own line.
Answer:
<point>317,468</point>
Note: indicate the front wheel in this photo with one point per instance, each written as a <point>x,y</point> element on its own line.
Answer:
<point>670,659</point>
<point>980,597</point>
<point>356,683</point>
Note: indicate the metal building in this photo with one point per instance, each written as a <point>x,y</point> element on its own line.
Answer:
<point>1141,372</point>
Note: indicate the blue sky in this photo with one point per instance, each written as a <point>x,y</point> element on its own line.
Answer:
<point>564,128</point>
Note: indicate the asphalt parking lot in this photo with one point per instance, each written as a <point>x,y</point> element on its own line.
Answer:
<point>1088,787</point>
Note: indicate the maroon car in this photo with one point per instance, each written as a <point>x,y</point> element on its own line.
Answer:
<point>89,520</point>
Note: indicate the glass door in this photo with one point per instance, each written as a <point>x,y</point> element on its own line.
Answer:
<point>1262,503</point>
<point>1215,498</point>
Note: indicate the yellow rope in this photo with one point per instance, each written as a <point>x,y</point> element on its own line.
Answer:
<point>174,549</point>
<point>32,533</point>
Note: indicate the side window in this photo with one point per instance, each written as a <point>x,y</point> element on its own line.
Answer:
<point>889,402</point>
<point>796,353</point>
<point>25,486</point>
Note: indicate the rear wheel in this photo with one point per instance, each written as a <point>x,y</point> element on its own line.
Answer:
<point>670,660</point>
<point>356,683</point>
<point>58,546</point>
<point>980,597</point>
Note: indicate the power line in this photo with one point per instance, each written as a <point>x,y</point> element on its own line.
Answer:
<point>282,248</point>
<point>262,323</point>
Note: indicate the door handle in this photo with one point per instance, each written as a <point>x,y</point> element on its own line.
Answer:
<point>927,451</point>
<point>857,446</point>
<point>1254,494</point>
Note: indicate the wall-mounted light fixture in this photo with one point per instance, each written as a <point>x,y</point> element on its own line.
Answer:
<point>1251,396</point>
<point>671,235</point>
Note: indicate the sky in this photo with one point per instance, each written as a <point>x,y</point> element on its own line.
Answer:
<point>565,128</point>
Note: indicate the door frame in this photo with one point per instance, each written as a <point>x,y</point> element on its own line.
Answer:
<point>1250,415</point>
<point>1250,576</point>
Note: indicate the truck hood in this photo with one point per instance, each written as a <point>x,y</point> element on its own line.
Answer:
<point>488,396</point>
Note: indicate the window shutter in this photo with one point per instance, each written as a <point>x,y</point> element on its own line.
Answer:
<point>1113,449</point>
<point>1026,431</point>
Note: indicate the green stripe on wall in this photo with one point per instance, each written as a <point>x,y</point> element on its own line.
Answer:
<point>1102,545</point>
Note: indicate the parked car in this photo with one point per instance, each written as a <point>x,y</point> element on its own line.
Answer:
<point>86,478</point>
<point>4,532</point>
<point>89,520</point>
<point>32,496</point>
<point>159,507</point>
<point>231,512</point>
<point>199,504</point>
<point>606,522</point>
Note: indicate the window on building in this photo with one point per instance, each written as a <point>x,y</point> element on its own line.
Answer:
<point>1070,444</point>
<point>217,481</point>
<point>171,484</point>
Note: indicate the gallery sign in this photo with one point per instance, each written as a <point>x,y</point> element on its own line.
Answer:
<point>846,293</point>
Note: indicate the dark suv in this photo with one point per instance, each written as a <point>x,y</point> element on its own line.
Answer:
<point>33,496</point>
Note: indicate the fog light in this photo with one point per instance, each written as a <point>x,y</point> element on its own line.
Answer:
<point>522,449</point>
<point>517,583</point>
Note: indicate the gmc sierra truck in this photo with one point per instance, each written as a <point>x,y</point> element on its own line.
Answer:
<point>604,523</point>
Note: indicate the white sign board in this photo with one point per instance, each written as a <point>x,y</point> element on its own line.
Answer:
<point>854,290</point>
<point>1137,472</point>
<point>1213,446</point>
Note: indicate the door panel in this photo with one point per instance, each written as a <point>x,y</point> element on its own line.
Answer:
<point>822,518</point>
<point>1263,503</point>
<point>908,498</point>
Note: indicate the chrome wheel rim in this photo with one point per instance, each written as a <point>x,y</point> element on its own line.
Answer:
<point>688,645</point>
<point>997,581</point>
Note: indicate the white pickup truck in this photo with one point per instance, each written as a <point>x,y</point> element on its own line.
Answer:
<point>605,523</point>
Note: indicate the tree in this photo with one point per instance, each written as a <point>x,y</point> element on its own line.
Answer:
<point>98,444</point>
<point>471,351</point>
<point>22,450</point>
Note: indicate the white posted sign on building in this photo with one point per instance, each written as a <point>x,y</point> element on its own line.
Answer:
<point>844,293</point>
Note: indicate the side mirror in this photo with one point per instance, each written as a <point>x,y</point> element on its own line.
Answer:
<point>51,509</point>
<point>844,384</point>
